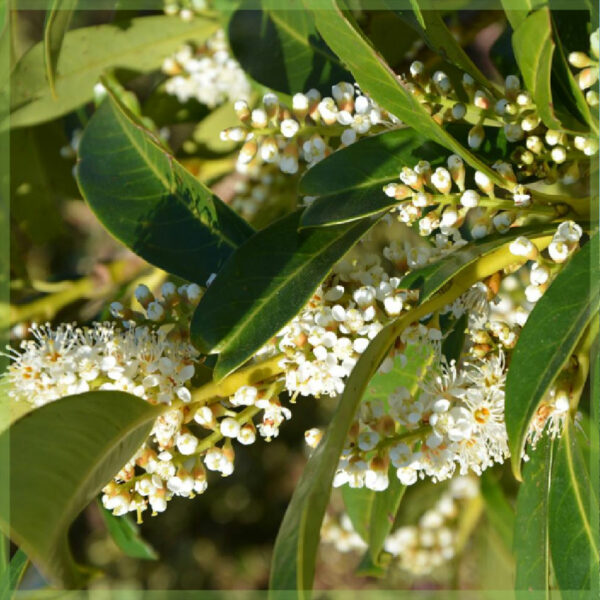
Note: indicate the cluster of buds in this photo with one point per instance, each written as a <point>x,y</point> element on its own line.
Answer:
<point>207,73</point>
<point>307,132</point>
<point>546,154</point>
<point>587,77</point>
<point>417,549</point>
<point>424,547</point>
<point>440,200</point>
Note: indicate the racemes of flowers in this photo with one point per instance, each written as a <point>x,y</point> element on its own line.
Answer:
<point>452,420</point>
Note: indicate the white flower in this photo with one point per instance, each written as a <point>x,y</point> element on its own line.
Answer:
<point>521,246</point>
<point>469,199</point>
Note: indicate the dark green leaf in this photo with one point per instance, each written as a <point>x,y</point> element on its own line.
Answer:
<point>433,277</point>
<point>58,18</point>
<point>532,553</point>
<point>572,506</point>
<point>126,535</point>
<point>150,202</point>
<point>54,476</point>
<point>547,341</point>
<point>140,45</point>
<point>264,285</point>
<point>12,575</point>
<point>349,182</point>
<point>293,564</point>
<point>281,49</point>
<point>497,508</point>
<point>377,79</point>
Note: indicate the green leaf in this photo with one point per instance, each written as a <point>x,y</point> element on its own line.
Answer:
<point>433,277</point>
<point>139,45</point>
<point>499,512</point>
<point>281,49</point>
<point>547,341</point>
<point>12,575</point>
<point>534,49</point>
<point>348,184</point>
<point>517,10</point>
<point>61,455</point>
<point>126,536</point>
<point>532,552</point>
<point>573,501</point>
<point>379,81</point>
<point>294,555</point>
<point>263,286</point>
<point>58,19</point>
<point>373,513</point>
<point>150,202</point>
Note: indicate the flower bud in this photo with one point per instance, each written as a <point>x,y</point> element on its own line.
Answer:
<point>300,106</point>
<point>259,118</point>
<point>143,295</point>
<point>441,180</point>
<point>558,154</point>
<point>481,100</point>
<point>242,111</point>
<point>484,183</point>
<point>397,191</point>
<point>534,144</point>
<point>271,104</point>
<point>579,60</point>
<point>442,83</point>
<point>470,199</point>
<point>459,110</point>
<point>476,137</point>
<point>456,167</point>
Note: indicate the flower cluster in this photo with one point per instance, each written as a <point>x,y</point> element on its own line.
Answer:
<point>207,73</point>
<point>421,548</point>
<point>418,549</point>
<point>542,152</point>
<point>308,131</point>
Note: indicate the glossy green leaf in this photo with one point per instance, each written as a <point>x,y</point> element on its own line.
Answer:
<point>547,341</point>
<point>150,202</point>
<point>58,19</point>
<point>280,48</point>
<point>517,10</point>
<point>377,79</point>
<point>126,535</point>
<point>532,552</point>
<point>53,477</point>
<point>348,184</point>
<point>534,48</point>
<point>86,52</point>
<point>12,575</point>
<point>294,555</point>
<point>264,285</point>
<point>573,501</point>
<point>433,277</point>
<point>373,513</point>
<point>499,512</point>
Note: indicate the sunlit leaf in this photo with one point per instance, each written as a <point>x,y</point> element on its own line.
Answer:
<point>54,476</point>
<point>139,45</point>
